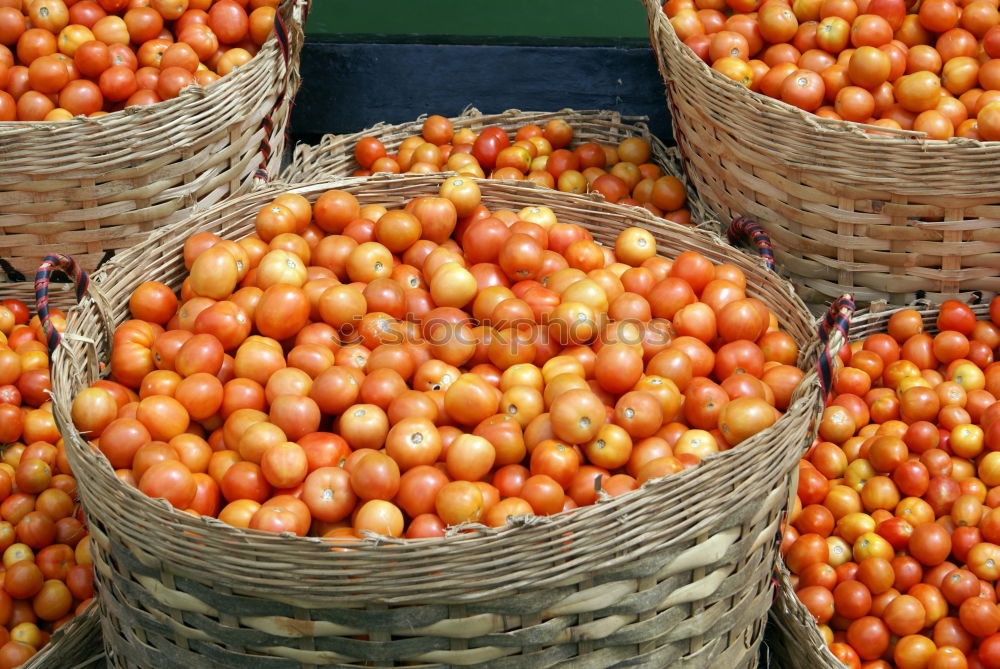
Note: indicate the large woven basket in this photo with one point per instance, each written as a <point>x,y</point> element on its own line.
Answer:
<point>78,643</point>
<point>677,573</point>
<point>794,639</point>
<point>883,217</point>
<point>92,185</point>
<point>333,157</point>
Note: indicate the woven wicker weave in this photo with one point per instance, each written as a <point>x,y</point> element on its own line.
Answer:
<point>92,185</point>
<point>882,217</point>
<point>333,157</point>
<point>80,641</point>
<point>675,574</point>
<point>793,639</point>
<point>77,644</point>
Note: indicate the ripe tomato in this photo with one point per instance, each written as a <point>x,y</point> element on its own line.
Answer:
<point>744,417</point>
<point>171,480</point>
<point>556,460</point>
<point>459,502</point>
<point>818,601</point>
<point>284,465</point>
<point>245,481</point>
<point>418,489</point>
<point>375,476</point>
<point>904,615</point>
<point>808,549</point>
<point>490,142</point>
<point>869,636</point>
<point>228,20</point>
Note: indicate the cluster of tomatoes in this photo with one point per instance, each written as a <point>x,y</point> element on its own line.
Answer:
<point>894,538</point>
<point>351,368</point>
<point>46,577</point>
<point>66,58</point>
<point>931,66</point>
<point>622,174</point>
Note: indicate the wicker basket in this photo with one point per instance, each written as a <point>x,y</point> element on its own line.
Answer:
<point>883,217</point>
<point>794,639</point>
<point>93,185</point>
<point>74,646</point>
<point>333,157</point>
<point>78,643</point>
<point>675,574</point>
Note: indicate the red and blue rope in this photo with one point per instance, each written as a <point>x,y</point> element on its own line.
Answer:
<point>281,36</point>
<point>744,227</point>
<point>835,319</point>
<point>42,279</point>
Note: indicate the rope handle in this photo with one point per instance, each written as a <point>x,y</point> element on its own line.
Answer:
<point>745,228</point>
<point>43,277</point>
<point>833,333</point>
<point>299,14</point>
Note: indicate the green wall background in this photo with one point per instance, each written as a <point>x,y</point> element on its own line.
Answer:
<point>579,22</point>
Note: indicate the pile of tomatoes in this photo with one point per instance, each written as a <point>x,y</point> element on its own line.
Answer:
<point>622,174</point>
<point>66,58</point>
<point>351,368</point>
<point>46,577</point>
<point>925,66</point>
<point>894,538</point>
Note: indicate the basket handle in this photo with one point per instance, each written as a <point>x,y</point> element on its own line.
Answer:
<point>43,276</point>
<point>289,42</point>
<point>297,16</point>
<point>833,335</point>
<point>745,228</point>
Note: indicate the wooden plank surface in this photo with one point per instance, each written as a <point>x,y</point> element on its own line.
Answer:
<point>348,87</point>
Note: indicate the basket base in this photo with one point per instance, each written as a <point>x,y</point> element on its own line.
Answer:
<point>737,656</point>
<point>746,650</point>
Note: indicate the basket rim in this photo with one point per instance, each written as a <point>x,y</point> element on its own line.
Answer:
<point>789,614</point>
<point>86,625</point>
<point>10,130</point>
<point>636,125</point>
<point>827,126</point>
<point>469,117</point>
<point>798,416</point>
<point>82,631</point>
<point>472,114</point>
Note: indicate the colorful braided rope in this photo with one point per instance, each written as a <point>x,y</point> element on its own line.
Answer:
<point>42,279</point>
<point>745,227</point>
<point>835,319</point>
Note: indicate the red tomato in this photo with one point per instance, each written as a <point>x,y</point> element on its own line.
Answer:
<point>170,480</point>
<point>989,652</point>
<point>376,476</point>
<point>490,142</point>
<point>980,617</point>
<point>819,601</point>
<point>418,489</point>
<point>955,315</point>
<point>869,636</point>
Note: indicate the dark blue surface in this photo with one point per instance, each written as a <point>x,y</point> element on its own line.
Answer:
<point>348,87</point>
